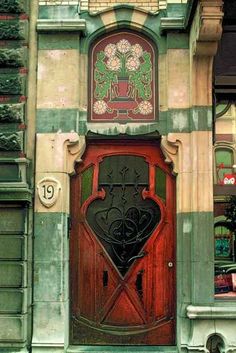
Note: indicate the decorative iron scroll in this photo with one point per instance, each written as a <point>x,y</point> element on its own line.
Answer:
<point>123,220</point>
<point>123,79</point>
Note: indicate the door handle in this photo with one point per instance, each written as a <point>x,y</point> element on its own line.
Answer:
<point>142,254</point>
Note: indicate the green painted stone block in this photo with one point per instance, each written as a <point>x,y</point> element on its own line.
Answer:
<point>12,248</point>
<point>9,172</point>
<point>177,41</point>
<point>12,274</point>
<point>49,283</point>
<point>12,220</point>
<point>49,322</point>
<point>49,245</point>
<point>176,10</point>
<point>58,41</point>
<point>195,254</point>
<point>52,120</point>
<point>124,14</point>
<point>201,119</point>
<point>58,12</point>
<point>13,328</point>
<point>12,301</point>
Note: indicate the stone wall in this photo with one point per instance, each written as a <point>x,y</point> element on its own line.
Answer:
<point>15,196</point>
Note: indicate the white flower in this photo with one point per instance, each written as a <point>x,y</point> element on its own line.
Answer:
<point>123,46</point>
<point>145,108</point>
<point>132,63</point>
<point>100,107</point>
<point>114,63</point>
<point>110,50</point>
<point>137,50</point>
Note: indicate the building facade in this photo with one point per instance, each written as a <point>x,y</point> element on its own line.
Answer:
<point>117,161</point>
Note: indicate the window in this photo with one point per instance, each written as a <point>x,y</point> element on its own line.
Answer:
<point>225,260</point>
<point>224,158</point>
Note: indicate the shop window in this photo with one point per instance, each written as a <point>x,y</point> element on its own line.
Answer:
<point>225,261</point>
<point>123,79</point>
<point>224,158</point>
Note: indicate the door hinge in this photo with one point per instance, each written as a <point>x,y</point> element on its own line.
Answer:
<point>69,226</point>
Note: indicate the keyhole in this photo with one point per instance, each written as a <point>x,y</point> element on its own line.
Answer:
<point>105,278</point>
<point>139,284</point>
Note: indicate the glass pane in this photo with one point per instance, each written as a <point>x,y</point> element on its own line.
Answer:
<point>86,184</point>
<point>160,183</point>
<point>224,156</point>
<point>225,265</point>
<point>123,220</point>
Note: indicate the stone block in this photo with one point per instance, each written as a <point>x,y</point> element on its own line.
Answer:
<point>13,274</point>
<point>178,78</point>
<point>13,328</point>
<point>49,323</point>
<point>58,78</point>
<point>12,220</point>
<point>51,237</point>
<point>49,281</point>
<point>13,301</point>
<point>12,248</point>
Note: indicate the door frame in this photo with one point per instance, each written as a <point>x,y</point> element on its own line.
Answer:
<point>95,139</point>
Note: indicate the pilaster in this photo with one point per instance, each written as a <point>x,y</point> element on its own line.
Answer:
<point>51,247</point>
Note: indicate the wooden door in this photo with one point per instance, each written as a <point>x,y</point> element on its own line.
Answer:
<point>123,246</point>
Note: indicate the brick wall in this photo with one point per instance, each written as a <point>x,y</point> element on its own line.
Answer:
<point>98,5</point>
<point>59,2</point>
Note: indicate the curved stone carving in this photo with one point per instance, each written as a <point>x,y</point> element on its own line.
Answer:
<point>170,149</point>
<point>10,142</point>
<point>11,113</point>
<point>207,27</point>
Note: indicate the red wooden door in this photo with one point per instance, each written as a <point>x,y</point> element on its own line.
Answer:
<point>123,246</point>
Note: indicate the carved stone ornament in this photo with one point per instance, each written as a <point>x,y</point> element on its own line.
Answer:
<point>48,191</point>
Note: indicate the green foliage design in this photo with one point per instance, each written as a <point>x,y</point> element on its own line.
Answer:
<point>10,30</point>
<point>139,79</point>
<point>11,57</point>
<point>103,77</point>
<point>10,142</point>
<point>14,6</point>
<point>10,84</point>
<point>10,113</point>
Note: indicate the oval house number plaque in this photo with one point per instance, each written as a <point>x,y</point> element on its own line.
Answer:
<point>48,191</point>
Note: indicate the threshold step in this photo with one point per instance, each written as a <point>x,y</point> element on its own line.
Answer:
<point>122,349</point>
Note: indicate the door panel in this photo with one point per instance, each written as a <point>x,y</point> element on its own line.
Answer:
<point>122,240</point>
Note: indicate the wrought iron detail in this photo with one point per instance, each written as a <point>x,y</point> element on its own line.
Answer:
<point>123,220</point>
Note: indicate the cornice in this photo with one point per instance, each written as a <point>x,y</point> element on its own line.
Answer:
<point>70,25</point>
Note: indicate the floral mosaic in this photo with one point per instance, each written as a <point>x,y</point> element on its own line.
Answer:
<point>123,79</point>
